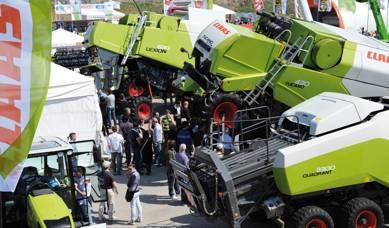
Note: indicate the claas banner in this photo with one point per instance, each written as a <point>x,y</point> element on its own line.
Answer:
<point>25,45</point>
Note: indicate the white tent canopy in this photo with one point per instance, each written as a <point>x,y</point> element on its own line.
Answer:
<point>71,106</point>
<point>63,38</point>
<point>222,9</point>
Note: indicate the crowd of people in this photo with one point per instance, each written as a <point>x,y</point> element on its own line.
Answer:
<point>172,135</point>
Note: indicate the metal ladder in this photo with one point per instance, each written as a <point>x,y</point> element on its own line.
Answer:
<point>286,58</point>
<point>141,24</point>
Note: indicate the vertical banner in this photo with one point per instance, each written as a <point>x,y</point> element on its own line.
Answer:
<point>108,10</point>
<point>280,6</point>
<point>258,5</point>
<point>76,9</point>
<point>25,44</point>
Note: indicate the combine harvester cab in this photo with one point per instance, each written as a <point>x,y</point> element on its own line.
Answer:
<point>286,62</point>
<point>322,158</point>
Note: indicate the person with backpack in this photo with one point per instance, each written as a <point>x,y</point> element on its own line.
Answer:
<point>115,145</point>
<point>133,194</point>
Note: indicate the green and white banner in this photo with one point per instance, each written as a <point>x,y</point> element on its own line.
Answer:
<point>76,9</point>
<point>25,44</point>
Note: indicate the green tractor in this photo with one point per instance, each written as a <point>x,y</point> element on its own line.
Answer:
<point>323,164</point>
<point>45,195</point>
<point>282,63</point>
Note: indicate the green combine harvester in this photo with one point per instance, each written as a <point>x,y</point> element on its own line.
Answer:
<point>323,164</point>
<point>283,63</point>
<point>142,56</point>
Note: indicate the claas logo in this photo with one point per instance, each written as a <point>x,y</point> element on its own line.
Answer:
<point>222,28</point>
<point>10,89</point>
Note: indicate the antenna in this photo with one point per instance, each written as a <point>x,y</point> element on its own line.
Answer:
<point>137,7</point>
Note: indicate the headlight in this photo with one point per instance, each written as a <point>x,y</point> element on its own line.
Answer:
<point>59,223</point>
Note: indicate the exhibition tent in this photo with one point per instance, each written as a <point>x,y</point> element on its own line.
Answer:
<point>63,38</point>
<point>71,106</point>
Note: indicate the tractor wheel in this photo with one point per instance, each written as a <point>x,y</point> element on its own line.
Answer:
<point>143,108</point>
<point>135,91</point>
<point>362,213</point>
<point>311,217</point>
<point>222,104</point>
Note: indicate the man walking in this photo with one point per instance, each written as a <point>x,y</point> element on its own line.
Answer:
<point>174,189</point>
<point>133,187</point>
<point>157,141</point>
<point>111,186</point>
<point>115,145</point>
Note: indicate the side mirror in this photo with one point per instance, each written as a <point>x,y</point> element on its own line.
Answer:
<point>183,50</point>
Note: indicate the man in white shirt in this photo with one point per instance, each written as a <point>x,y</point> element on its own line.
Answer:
<point>157,141</point>
<point>111,109</point>
<point>115,145</point>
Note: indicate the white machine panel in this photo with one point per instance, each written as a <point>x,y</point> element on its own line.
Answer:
<point>330,111</point>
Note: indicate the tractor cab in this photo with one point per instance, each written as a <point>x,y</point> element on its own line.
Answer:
<point>45,195</point>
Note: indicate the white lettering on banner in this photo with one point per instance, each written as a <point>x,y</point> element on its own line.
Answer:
<point>15,59</point>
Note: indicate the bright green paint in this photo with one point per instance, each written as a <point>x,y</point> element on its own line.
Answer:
<point>285,92</point>
<point>48,207</point>
<point>170,42</point>
<point>356,164</point>
<point>241,57</point>
<point>40,75</point>
<point>111,37</point>
<point>244,83</point>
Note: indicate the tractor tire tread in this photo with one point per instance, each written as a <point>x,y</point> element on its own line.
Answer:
<point>354,206</point>
<point>305,214</point>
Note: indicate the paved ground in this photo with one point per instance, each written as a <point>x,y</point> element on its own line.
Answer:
<point>159,210</point>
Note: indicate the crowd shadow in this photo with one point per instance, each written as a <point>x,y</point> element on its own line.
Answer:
<point>162,200</point>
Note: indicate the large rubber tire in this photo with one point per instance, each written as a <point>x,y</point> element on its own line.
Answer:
<point>222,103</point>
<point>143,108</point>
<point>361,213</point>
<point>311,217</point>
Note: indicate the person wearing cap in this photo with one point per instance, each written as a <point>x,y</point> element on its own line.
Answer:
<point>111,186</point>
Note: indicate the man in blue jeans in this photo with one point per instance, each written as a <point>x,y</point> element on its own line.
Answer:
<point>111,109</point>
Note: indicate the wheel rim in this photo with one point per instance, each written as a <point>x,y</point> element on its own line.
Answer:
<point>226,109</point>
<point>366,219</point>
<point>144,111</point>
<point>316,223</point>
<point>134,90</point>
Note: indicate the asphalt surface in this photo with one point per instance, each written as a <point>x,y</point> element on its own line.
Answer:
<point>158,209</point>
